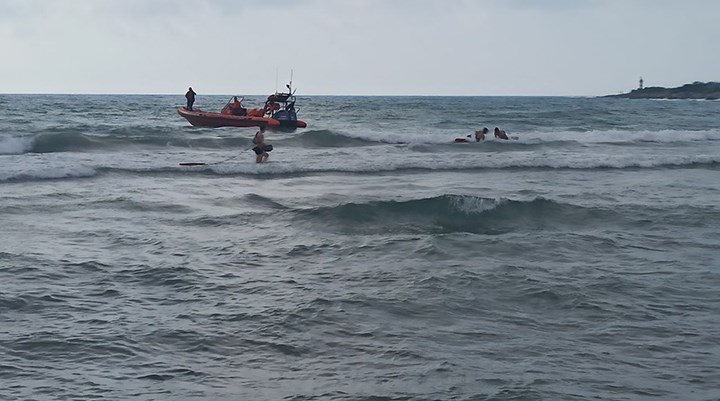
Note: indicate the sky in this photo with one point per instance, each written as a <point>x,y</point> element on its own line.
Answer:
<point>357,47</point>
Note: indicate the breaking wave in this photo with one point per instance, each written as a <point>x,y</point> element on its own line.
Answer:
<point>456,213</point>
<point>74,141</point>
<point>285,170</point>
<point>326,139</point>
<point>84,138</point>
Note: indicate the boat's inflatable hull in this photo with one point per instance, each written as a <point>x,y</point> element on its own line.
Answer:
<point>199,118</point>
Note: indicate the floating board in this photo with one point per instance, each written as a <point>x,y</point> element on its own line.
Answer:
<point>192,164</point>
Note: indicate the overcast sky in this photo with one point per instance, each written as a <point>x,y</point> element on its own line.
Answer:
<point>357,47</point>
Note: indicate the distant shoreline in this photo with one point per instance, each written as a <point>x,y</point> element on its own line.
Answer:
<point>695,90</point>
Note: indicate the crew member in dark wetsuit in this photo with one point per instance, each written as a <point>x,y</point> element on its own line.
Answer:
<point>480,135</point>
<point>261,149</point>
<point>500,133</point>
<point>190,96</point>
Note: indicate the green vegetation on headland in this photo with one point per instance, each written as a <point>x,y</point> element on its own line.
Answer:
<point>695,90</point>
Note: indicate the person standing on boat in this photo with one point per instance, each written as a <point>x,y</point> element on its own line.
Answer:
<point>261,149</point>
<point>190,96</point>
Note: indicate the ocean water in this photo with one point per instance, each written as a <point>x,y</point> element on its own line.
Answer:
<point>370,259</point>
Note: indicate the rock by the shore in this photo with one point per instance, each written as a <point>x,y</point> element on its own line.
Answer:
<point>695,90</point>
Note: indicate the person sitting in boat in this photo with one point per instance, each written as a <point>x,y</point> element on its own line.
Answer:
<point>256,112</point>
<point>271,107</point>
<point>236,108</point>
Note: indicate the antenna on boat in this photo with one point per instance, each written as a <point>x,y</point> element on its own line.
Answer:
<point>289,86</point>
<point>276,78</point>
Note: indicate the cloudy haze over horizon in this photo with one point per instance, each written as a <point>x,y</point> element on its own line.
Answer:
<point>357,47</point>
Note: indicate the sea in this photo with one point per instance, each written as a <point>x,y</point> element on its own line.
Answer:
<point>371,258</point>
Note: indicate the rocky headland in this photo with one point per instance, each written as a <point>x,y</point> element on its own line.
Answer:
<point>695,90</point>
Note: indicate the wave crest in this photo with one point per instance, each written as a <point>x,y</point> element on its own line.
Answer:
<point>62,140</point>
<point>326,139</point>
<point>453,213</point>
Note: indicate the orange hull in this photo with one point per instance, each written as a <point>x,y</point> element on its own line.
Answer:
<point>199,118</point>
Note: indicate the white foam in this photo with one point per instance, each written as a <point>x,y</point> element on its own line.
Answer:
<point>391,159</point>
<point>48,173</point>
<point>475,204</point>
<point>15,145</point>
<point>539,137</point>
<point>620,136</point>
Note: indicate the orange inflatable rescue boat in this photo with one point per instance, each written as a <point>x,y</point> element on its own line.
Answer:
<point>279,112</point>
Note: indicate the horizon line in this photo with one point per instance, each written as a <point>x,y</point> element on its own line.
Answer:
<point>300,95</point>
